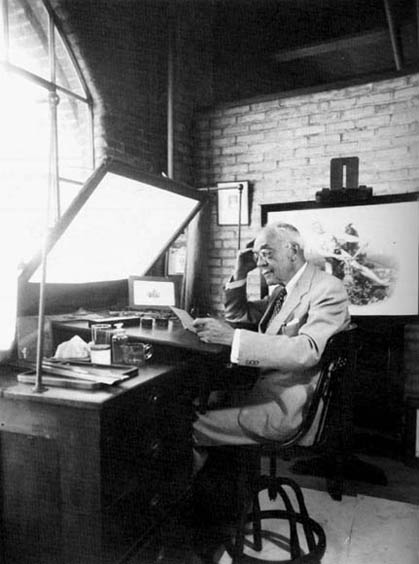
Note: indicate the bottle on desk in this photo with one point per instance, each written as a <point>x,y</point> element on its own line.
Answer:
<point>119,339</point>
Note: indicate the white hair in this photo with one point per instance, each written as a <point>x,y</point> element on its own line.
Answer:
<point>285,232</point>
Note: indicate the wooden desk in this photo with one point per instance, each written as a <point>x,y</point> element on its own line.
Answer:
<point>84,475</point>
<point>174,338</point>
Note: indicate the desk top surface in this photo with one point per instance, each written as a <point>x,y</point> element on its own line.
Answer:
<point>94,399</point>
<point>174,335</point>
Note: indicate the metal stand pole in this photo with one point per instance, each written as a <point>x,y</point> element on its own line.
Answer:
<point>53,195</point>
<point>239,222</point>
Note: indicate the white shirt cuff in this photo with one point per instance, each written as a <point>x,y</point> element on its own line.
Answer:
<point>235,347</point>
<point>235,284</point>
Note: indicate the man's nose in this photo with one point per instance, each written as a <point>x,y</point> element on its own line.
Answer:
<point>261,261</point>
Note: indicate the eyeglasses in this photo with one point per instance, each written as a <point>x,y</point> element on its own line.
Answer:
<point>263,254</point>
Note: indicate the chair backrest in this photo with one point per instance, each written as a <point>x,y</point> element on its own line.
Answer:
<point>336,376</point>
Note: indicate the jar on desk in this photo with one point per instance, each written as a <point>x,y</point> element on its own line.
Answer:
<point>100,349</point>
<point>119,339</point>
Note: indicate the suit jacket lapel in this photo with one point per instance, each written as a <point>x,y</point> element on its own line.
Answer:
<point>293,299</point>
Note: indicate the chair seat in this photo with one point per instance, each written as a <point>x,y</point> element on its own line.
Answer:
<point>307,539</point>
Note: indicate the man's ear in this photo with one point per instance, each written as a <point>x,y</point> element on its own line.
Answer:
<point>295,249</point>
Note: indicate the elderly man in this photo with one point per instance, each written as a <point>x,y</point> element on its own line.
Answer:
<point>306,308</point>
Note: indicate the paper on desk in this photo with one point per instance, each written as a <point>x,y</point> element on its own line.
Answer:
<point>184,318</point>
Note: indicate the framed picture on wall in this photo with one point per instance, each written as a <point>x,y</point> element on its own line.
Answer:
<point>372,247</point>
<point>229,201</point>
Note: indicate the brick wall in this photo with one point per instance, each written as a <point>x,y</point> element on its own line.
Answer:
<point>283,146</point>
<point>122,50</point>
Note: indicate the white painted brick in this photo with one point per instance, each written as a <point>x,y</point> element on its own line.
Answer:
<point>388,85</point>
<point>294,123</point>
<point>281,134</point>
<point>379,98</point>
<point>257,107</point>
<point>308,151</point>
<point>210,152</point>
<point>224,160</point>
<point>358,91</point>
<point>404,117</point>
<point>341,150</point>
<point>235,169</point>
<point>236,110</point>
<point>264,125</point>
<point>216,133</point>
<point>224,233</point>
<point>250,157</point>
<point>406,93</point>
<point>388,150</point>
<point>263,166</point>
<point>342,104</point>
<point>371,122</point>
<point>263,147</point>
<point>280,114</point>
<point>393,131</point>
<point>229,262</point>
<point>233,130</point>
<point>358,112</point>
<point>251,138</point>
<point>310,130</point>
<point>251,117</point>
<point>328,139</point>
<point>324,118</point>
<point>235,149</point>
<point>223,121</point>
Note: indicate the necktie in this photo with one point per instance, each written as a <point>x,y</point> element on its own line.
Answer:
<point>279,298</point>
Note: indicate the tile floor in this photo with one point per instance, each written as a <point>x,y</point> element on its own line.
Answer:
<point>373,524</point>
<point>359,530</point>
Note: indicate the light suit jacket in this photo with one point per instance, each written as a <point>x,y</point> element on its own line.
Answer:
<point>288,354</point>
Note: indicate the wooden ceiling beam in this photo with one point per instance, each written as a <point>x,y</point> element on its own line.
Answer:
<point>393,36</point>
<point>347,42</point>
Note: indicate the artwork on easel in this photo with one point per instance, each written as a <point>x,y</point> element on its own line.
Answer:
<point>372,248</point>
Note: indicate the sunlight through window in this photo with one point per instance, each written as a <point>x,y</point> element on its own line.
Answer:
<point>25,141</point>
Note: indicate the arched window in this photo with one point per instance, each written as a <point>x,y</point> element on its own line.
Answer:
<point>46,140</point>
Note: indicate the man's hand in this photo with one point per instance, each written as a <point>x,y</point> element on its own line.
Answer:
<point>212,330</point>
<point>245,263</point>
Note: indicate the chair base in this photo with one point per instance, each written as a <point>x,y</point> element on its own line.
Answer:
<point>301,526</point>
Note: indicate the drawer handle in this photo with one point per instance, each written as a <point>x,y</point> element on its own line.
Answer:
<point>155,448</point>
<point>155,501</point>
<point>154,398</point>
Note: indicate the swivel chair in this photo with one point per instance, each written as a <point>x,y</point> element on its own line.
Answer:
<point>332,398</point>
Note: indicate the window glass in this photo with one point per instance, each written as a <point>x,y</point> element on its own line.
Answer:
<point>74,141</point>
<point>66,74</point>
<point>24,162</point>
<point>24,158</point>
<point>26,135</point>
<point>2,35</point>
<point>120,231</point>
<point>28,36</point>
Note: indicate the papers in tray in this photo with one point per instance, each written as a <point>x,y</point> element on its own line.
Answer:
<point>81,374</point>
